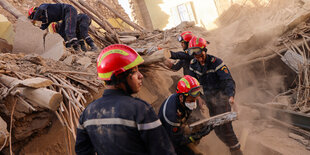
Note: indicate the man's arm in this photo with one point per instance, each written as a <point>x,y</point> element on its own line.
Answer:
<point>83,145</point>
<point>226,79</point>
<point>180,55</point>
<point>177,66</point>
<point>152,132</point>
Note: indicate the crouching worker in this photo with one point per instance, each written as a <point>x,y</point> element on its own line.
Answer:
<point>48,13</point>
<point>174,113</point>
<point>82,26</point>
<point>118,123</point>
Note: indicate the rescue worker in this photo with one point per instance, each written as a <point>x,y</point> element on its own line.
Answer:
<point>48,13</point>
<point>184,58</point>
<point>83,22</point>
<point>118,123</point>
<point>174,114</point>
<point>218,86</point>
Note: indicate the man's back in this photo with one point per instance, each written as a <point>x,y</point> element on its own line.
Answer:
<point>120,124</point>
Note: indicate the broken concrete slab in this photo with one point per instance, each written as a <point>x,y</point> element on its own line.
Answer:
<point>54,48</point>
<point>28,38</point>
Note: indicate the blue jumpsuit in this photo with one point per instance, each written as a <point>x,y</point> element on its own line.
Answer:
<point>174,116</point>
<point>119,124</point>
<point>82,26</point>
<point>218,86</point>
<point>48,13</point>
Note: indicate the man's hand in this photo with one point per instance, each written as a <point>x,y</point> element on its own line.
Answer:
<point>168,63</point>
<point>167,54</point>
<point>233,105</point>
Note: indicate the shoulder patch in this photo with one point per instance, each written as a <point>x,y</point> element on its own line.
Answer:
<point>224,68</point>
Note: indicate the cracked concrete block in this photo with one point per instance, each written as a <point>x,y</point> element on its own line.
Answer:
<point>28,38</point>
<point>54,48</point>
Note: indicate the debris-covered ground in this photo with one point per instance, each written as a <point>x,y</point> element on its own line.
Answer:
<point>253,42</point>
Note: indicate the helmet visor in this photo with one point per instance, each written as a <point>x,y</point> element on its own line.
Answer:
<point>194,92</point>
<point>180,38</point>
<point>194,51</point>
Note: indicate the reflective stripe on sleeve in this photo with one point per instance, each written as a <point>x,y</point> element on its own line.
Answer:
<point>164,113</point>
<point>199,73</point>
<point>219,66</point>
<point>148,126</point>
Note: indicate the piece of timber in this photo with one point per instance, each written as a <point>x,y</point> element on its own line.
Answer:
<point>216,120</point>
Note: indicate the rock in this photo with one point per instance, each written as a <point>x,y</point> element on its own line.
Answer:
<point>70,59</point>
<point>28,38</point>
<point>84,61</point>
<point>54,48</point>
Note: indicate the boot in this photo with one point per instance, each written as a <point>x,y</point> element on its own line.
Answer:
<point>93,47</point>
<point>82,44</point>
<point>90,42</point>
<point>75,45</point>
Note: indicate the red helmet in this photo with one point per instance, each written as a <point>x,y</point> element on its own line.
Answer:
<point>185,36</point>
<point>31,11</point>
<point>116,59</point>
<point>196,46</point>
<point>197,42</point>
<point>188,86</point>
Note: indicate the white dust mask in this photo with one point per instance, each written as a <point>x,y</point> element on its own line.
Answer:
<point>191,105</point>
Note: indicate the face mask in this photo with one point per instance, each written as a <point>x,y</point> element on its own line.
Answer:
<point>191,105</point>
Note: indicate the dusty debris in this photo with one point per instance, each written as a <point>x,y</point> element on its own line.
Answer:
<point>298,138</point>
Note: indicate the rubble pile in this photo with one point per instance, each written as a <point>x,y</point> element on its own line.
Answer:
<point>31,105</point>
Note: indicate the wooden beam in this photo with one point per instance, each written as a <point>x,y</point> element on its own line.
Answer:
<point>121,17</point>
<point>11,9</point>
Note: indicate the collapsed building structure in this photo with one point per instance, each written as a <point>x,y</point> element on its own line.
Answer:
<point>45,87</point>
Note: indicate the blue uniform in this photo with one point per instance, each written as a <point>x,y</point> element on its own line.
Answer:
<point>48,13</point>
<point>218,86</point>
<point>174,116</point>
<point>184,61</point>
<point>120,124</point>
<point>82,26</point>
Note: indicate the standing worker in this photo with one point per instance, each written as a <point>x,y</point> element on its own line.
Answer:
<point>174,114</point>
<point>118,123</point>
<point>48,13</point>
<point>218,86</point>
<point>82,26</point>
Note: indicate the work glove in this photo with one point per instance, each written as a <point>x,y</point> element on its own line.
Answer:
<point>201,133</point>
<point>205,130</point>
